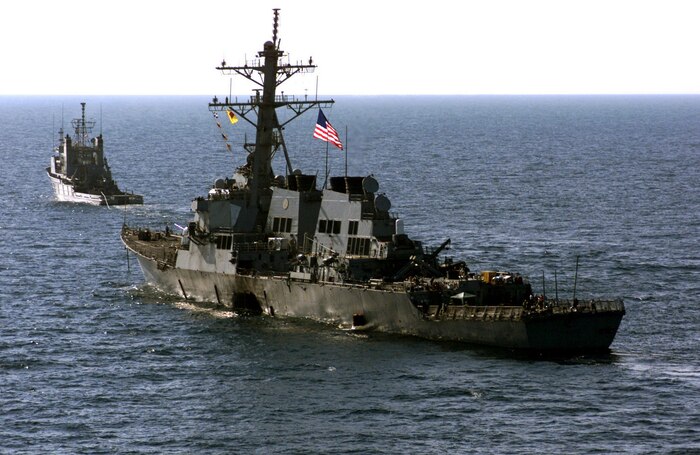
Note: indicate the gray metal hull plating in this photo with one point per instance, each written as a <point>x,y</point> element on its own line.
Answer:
<point>387,311</point>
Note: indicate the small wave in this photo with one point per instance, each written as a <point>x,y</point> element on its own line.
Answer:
<point>146,293</point>
<point>683,372</point>
<point>657,367</point>
<point>14,365</point>
<point>214,312</point>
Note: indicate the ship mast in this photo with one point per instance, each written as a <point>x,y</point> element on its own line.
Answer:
<point>268,72</point>
<point>82,128</point>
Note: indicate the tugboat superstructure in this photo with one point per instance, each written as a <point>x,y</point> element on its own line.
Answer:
<point>79,171</point>
<point>284,245</point>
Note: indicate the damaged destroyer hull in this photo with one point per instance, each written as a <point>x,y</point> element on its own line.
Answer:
<point>278,244</point>
<point>391,310</point>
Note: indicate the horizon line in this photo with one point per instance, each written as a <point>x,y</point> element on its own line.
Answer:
<point>367,94</point>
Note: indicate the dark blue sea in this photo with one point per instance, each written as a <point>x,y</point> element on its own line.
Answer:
<point>92,361</point>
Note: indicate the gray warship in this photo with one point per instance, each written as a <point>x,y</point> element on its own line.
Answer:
<point>283,247</point>
<point>79,171</point>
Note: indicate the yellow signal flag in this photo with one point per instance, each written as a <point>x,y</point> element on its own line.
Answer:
<point>232,117</point>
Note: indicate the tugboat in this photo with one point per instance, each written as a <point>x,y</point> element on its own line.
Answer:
<point>281,246</point>
<point>79,171</point>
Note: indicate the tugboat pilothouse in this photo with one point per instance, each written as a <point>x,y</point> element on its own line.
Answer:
<point>79,171</point>
<point>283,246</point>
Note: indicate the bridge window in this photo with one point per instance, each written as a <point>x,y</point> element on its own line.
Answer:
<point>280,224</point>
<point>329,226</point>
<point>223,242</point>
<point>358,246</point>
<point>352,227</point>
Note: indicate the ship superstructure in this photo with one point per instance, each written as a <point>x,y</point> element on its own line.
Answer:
<point>283,245</point>
<point>79,171</point>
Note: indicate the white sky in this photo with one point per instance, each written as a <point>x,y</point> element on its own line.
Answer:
<point>170,47</point>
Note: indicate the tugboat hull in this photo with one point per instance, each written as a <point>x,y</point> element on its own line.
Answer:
<point>65,192</point>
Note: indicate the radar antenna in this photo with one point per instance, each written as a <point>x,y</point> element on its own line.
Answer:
<point>275,22</point>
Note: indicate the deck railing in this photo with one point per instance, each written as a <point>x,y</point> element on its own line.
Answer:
<point>498,312</point>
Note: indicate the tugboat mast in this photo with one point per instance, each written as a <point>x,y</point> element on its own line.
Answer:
<point>82,127</point>
<point>268,74</point>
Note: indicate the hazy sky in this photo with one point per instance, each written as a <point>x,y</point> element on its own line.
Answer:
<point>94,47</point>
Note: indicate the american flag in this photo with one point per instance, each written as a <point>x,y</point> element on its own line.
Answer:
<point>325,131</point>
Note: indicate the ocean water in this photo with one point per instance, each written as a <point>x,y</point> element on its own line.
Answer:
<point>94,361</point>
